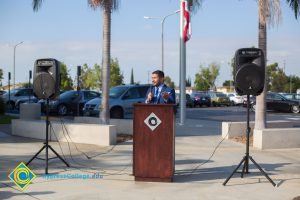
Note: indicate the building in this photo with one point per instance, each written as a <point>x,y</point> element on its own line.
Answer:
<point>5,87</point>
<point>188,90</point>
<point>225,89</point>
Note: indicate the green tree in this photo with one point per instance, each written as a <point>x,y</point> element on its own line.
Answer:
<point>1,76</point>
<point>271,70</point>
<point>25,85</point>
<point>207,76</point>
<point>97,76</point>
<point>276,78</point>
<point>116,78</point>
<point>169,82</point>
<point>66,82</point>
<point>132,77</point>
<point>87,78</point>
<point>293,84</point>
<point>228,83</point>
<point>91,77</point>
<point>279,82</point>
<point>188,82</point>
<point>201,83</point>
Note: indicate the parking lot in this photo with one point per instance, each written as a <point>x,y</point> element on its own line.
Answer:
<point>219,114</point>
<point>234,113</point>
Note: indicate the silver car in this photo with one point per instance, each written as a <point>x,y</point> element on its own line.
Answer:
<point>29,99</point>
<point>14,99</point>
<point>121,100</point>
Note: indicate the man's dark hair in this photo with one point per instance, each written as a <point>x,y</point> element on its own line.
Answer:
<point>160,74</point>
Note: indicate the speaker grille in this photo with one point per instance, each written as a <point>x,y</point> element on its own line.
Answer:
<point>44,86</point>
<point>249,79</point>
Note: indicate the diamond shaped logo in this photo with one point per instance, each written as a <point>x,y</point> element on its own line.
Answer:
<point>22,176</point>
<point>152,121</point>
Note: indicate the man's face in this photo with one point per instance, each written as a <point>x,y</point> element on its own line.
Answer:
<point>156,81</point>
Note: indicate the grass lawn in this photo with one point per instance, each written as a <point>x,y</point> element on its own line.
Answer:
<point>5,119</point>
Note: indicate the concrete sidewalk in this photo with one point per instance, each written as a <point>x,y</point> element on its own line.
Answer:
<point>195,142</point>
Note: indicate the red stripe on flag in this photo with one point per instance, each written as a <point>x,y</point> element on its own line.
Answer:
<point>186,13</point>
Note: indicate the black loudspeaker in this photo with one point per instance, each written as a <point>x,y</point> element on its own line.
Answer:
<point>46,78</point>
<point>249,71</point>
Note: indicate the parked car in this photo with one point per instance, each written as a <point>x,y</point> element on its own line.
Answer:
<point>219,99</point>
<point>235,99</point>
<point>121,100</point>
<point>2,92</point>
<point>16,95</point>
<point>278,102</point>
<point>29,100</point>
<point>292,96</point>
<point>189,100</point>
<point>68,101</point>
<point>201,99</point>
<point>251,97</point>
<point>25,100</point>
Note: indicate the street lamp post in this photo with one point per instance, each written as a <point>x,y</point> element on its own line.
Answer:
<point>162,33</point>
<point>290,83</point>
<point>14,71</point>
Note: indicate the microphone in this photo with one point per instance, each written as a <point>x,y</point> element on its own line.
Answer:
<point>151,88</point>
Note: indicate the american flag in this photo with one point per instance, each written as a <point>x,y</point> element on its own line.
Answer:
<point>187,31</point>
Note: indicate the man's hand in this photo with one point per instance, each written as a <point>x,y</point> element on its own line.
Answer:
<point>149,97</point>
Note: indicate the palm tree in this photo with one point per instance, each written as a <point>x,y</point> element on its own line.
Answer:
<point>263,11</point>
<point>269,12</point>
<point>294,4</point>
<point>107,6</point>
<point>195,5</point>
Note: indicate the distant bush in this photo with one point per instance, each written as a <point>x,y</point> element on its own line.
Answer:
<point>2,106</point>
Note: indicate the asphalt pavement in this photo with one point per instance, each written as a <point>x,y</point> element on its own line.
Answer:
<point>235,113</point>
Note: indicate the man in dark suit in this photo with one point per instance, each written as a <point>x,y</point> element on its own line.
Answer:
<point>160,93</point>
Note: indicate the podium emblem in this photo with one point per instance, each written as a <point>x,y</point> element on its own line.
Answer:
<point>152,121</point>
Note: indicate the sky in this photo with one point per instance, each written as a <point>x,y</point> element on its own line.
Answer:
<point>71,32</point>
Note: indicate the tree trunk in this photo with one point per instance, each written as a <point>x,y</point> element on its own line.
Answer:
<point>260,113</point>
<point>104,110</point>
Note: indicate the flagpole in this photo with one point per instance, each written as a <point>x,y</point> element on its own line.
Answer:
<point>182,78</point>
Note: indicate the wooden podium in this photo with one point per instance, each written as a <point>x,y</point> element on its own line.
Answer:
<point>154,142</point>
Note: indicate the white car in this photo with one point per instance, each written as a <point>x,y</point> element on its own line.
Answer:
<point>235,98</point>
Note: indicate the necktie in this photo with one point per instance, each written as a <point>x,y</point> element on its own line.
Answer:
<point>156,92</point>
<point>155,95</point>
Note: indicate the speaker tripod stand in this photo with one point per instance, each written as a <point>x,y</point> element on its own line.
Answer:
<point>46,144</point>
<point>247,156</point>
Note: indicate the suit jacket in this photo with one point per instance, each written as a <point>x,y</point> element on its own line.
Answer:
<point>165,88</point>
